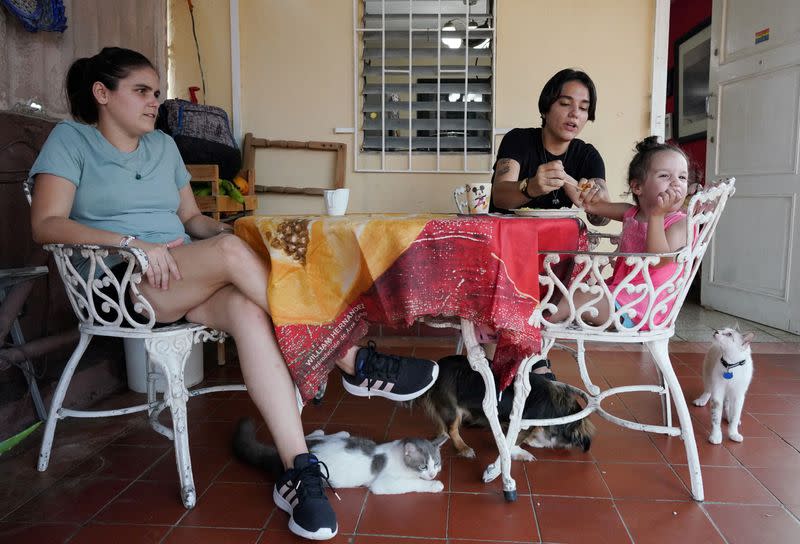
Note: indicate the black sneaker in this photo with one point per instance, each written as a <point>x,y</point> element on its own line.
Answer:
<point>300,494</point>
<point>390,376</point>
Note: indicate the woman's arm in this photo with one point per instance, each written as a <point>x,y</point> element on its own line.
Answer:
<point>196,224</point>
<point>50,223</point>
<point>505,189</point>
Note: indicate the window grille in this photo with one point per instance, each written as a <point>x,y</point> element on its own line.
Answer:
<point>424,82</point>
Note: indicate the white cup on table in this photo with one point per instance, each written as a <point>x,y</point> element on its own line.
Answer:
<point>336,201</point>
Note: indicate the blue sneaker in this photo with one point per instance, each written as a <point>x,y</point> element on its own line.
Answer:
<point>390,376</point>
<point>301,494</point>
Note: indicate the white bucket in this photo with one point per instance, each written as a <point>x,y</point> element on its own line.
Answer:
<point>135,357</point>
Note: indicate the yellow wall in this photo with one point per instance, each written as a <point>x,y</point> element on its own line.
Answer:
<point>297,83</point>
<point>212,23</point>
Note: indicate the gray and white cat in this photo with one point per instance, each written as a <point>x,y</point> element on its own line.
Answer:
<point>401,466</point>
<point>727,372</point>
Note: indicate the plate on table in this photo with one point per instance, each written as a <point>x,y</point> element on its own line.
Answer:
<point>552,214</point>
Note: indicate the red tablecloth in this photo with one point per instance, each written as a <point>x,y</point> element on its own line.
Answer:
<point>482,268</point>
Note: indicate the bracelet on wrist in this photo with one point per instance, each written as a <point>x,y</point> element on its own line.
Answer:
<point>126,241</point>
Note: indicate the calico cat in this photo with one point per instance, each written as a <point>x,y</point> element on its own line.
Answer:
<point>727,372</point>
<point>401,466</point>
<point>457,397</point>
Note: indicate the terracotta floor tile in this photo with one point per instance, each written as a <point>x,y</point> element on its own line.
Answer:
<point>749,524</point>
<point>773,386</point>
<point>243,506</point>
<point>674,450</point>
<point>750,425</point>
<point>369,539</point>
<point>119,461</point>
<point>211,434</point>
<point>565,478</point>
<point>74,500</point>
<point>633,447</point>
<point>783,482</point>
<point>195,535</point>
<point>39,534</point>
<point>469,514</point>
<point>320,413</point>
<point>375,411</point>
<point>16,491</point>
<point>771,404</point>
<point>96,533</point>
<point>466,476</point>
<point>781,424</point>
<point>285,537</point>
<point>238,471</point>
<point>729,484</point>
<point>764,452</point>
<point>643,481</point>
<point>574,520</point>
<point>234,409</point>
<point>411,514</point>
<point>146,503</point>
<point>667,522</point>
<point>206,464</point>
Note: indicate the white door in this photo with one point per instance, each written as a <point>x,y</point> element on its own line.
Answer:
<point>752,268</point>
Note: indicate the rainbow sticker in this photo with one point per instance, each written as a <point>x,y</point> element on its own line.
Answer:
<point>762,35</point>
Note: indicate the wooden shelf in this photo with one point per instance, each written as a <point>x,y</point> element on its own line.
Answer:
<point>218,204</point>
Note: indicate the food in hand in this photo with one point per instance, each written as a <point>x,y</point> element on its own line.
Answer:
<point>585,185</point>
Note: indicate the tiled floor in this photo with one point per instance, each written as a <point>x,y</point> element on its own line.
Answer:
<point>114,481</point>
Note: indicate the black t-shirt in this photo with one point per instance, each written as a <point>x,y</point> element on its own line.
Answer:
<point>525,146</point>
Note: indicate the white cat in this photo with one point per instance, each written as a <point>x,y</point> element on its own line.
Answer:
<point>727,372</point>
<point>401,466</point>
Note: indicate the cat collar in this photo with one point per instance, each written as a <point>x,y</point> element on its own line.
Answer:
<point>728,366</point>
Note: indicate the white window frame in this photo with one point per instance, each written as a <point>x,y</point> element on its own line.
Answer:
<point>358,96</point>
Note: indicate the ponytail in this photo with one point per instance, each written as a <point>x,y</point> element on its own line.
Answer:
<point>108,67</point>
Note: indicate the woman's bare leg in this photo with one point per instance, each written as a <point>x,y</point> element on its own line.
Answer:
<point>207,266</point>
<point>265,373</point>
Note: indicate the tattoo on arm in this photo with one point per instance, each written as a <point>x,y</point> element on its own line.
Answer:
<point>503,167</point>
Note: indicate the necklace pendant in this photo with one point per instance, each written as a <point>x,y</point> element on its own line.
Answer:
<point>556,201</point>
<point>138,175</point>
<point>727,375</point>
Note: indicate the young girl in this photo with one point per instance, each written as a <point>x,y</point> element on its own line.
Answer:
<point>658,179</point>
<point>111,179</point>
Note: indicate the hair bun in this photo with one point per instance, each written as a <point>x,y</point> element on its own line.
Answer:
<point>651,142</point>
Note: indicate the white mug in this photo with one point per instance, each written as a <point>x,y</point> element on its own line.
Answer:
<point>336,201</point>
<point>473,198</point>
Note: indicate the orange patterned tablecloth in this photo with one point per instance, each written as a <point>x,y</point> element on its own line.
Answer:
<point>331,276</point>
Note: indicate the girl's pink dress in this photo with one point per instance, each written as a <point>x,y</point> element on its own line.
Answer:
<point>634,240</point>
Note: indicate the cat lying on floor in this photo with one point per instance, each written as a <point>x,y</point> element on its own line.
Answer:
<point>401,466</point>
<point>457,397</point>
<point>727,372</point>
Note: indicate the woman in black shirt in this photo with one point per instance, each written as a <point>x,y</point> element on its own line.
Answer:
<point>541,167</point>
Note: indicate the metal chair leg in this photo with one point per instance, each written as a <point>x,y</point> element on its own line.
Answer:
<point>660,352</point>
<point>58,401</point>
<point>170,353</point>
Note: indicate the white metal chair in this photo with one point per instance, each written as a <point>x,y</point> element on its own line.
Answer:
<point>654,328</point>
<point>100,302</point>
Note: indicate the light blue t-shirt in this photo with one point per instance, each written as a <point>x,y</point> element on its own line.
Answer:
<point>132,193</point>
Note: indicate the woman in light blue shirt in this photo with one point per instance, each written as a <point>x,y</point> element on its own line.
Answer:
<point>111,179</point>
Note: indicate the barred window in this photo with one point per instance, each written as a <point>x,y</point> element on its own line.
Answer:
<point>424,81</point>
